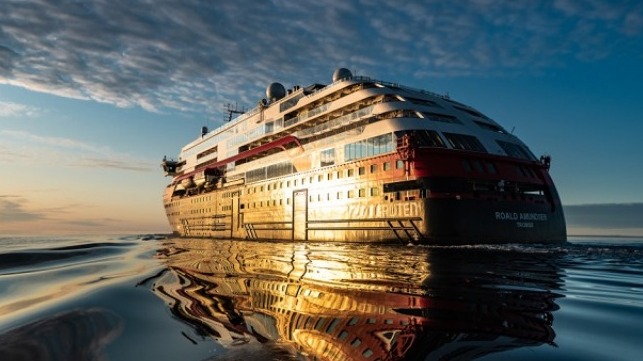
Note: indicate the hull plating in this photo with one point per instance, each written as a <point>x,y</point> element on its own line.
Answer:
<point>368,210</point>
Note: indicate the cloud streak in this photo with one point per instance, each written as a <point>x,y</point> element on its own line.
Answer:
<point>18,215</point>
<point>12,210</point>
<point>34,148</point>
<point>628,215</point>
<point>12,109</point>
<point>617,219</point>
<point>190,55</point>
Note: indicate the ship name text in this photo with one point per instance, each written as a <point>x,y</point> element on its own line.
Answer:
<point>523,220</point>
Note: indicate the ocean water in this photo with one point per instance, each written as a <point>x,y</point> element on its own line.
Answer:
<point>157,298</point>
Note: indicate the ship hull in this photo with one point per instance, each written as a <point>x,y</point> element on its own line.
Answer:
<point>379,208</point>
<point>425,222</point>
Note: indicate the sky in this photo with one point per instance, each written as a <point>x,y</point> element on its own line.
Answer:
<point>94,93</point>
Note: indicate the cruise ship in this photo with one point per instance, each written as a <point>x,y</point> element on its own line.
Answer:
<point>362,160</point>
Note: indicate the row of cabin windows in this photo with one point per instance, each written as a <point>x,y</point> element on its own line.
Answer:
<point>200,199</point>
<point>350,194</point>
<point>362,170</point>
<point>364,148</point>
<point>360,193</point>
<point>476,165</point>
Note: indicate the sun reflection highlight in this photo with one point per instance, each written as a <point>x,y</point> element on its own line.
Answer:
<point>343,301</point>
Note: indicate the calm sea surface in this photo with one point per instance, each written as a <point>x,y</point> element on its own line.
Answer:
<point>152,298</point>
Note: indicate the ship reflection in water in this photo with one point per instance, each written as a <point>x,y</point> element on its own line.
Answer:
<point>359,302</point>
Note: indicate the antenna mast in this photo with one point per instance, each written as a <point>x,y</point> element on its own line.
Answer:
<point>232,109</point>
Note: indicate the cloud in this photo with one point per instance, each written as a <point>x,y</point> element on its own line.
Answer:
<point>18,216</point>
<point>605,216</point>
<point>35,148</point>
<point>11,109</point>
<point>12,209</point>
<point>194,55</point>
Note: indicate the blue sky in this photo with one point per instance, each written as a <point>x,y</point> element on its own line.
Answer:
<point>94,93</point>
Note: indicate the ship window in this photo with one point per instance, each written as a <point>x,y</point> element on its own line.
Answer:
<point>356,342</point>
<point>422,138</point>
<point>490,127</point>
<point>466,165</point>
<point>256,175</point>
<point>423,102</point>
<point>399,164</point>
<point>369,147</point>
<point>327,157</point>
<point>332,325</point>
<point>477,166</point>
<point>269,127</point>
<point>515,150</point>
<point>491,168</point>
<point>280,169</point>
<point>442,118</point>
<point>465,142</point>
<point>430,138</point>
<point>470,112</point>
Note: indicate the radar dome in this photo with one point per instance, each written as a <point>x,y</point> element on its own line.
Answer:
<point>341,73</point>
<point>275,91</point>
